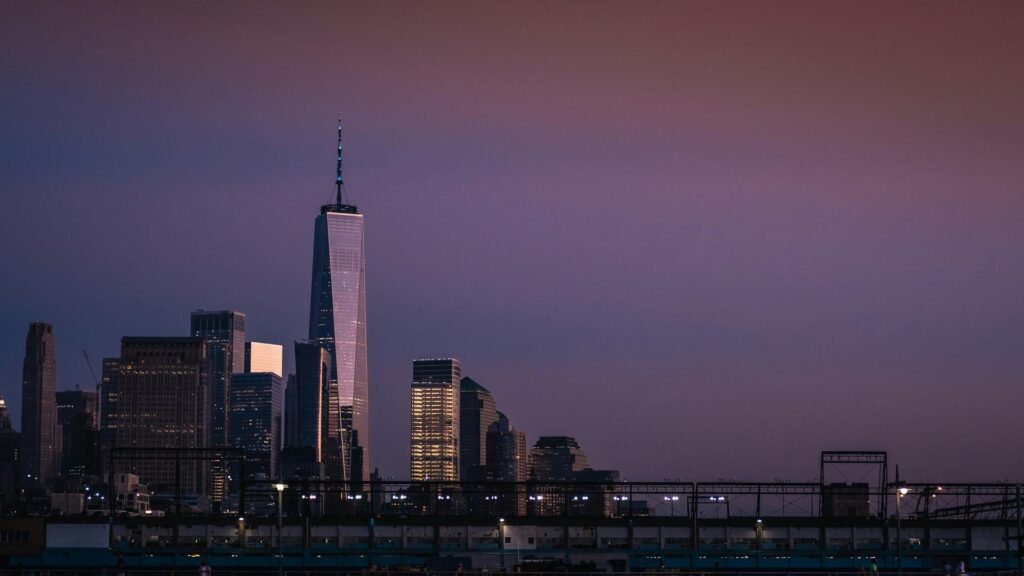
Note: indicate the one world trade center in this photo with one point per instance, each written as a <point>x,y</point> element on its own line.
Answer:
<point>337,322</point>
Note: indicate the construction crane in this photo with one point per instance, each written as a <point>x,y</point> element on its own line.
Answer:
<point>91,371</point>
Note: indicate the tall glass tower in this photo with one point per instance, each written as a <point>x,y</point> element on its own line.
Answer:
<point>337,321</point>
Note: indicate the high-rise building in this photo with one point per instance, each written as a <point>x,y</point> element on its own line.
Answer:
<point>476,414</point>
<point>40,435</point>
<point>337,318</point>
<point>77,415</point>
<point>507,462</point>
<point>156,396</point>
<point>309,398</point>
<point>434,420</point>
<point>263,357</point>
<point>224,332</point>
<point>255,420</point>
<point>553,459</point>
<point>507,457</point>
<point>556,459</point>
<point>10,444</point>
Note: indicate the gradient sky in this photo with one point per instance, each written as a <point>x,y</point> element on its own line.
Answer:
<point>706,239</point>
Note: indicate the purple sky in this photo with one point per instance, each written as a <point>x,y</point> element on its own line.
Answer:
<point>708,240</point>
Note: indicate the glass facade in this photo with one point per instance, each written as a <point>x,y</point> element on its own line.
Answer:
<point>224,332</point>
<point>434,420</point>
<point>477,414</point>
<point>263,357</point>
<point>337,321</point>
<point>255,423</point>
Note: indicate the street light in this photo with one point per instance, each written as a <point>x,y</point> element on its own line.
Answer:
<point>280,522</point>
<point>672,503</point>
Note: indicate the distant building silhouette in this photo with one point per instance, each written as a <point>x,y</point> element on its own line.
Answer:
<point>78,415</point>
<point>156,396</point>
<point>507,461</point>
<point>40,432</point>
<point>556,459</point>
<point>10,444</point>
<point>434,420</point>
<point>255,420</point>
<point>476,415</point>
<point>263,357</point>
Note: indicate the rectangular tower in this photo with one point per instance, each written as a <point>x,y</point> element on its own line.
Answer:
<point>263,357</point>
<point>224,331</point>
<point>40,450</point>
<point>156,396</point>
<point>77,415</point>
<point>255,422</point>
<point>476,414</point>
<point>434,420</point>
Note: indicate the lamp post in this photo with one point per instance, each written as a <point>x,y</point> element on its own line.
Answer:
<point>501,541</point>
<point>672,503</point>
<point>901,491</point>
<point>280,523</point>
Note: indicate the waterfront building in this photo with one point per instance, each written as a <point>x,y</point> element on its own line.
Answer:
<point>507,462</point>
<point>553,459</point>
<point>434,420</point>
<point>77,415</point>
<point>337,319</point>
<point>40,433</point>
<point>263,357</point>
<point>476,415</point>
<point>156,396</point>
<point>255,420</point>
<point>556,459</point>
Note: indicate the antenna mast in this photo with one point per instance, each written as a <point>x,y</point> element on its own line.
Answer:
<point>339,181</point>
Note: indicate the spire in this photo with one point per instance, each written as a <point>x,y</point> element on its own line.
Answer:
<point>340,203</point>
<point>339,181</point>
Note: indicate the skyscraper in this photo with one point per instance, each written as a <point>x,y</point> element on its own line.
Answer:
<point>40,449</point>
<point>224,332</point>
<point>476,414</point>
<point>309,400</point>
<point>155,396</point>
<point>434,420</point>
<point>507,462</point>
<point>262,357</point>
<point>10,443</point>
<point>77,416</point>
<point>337,318</point>
<point>556,459</point>
<point>255,420</point>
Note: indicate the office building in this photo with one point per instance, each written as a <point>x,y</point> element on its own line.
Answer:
<point>156,396</point>
<point>263,357</point>
<point>556,459</point>
<point>309,395</point>
<point>476,415</point>
<point>78,416</point>
<point>434,421</point>
<point>507,459</point>
<point>255,420</point>
<point>40,434</point>
<point>337,318</point>
<point>224,332</point>
<point>10,444</point>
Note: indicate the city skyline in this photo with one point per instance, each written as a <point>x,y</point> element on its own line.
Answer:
<point>737,229</point>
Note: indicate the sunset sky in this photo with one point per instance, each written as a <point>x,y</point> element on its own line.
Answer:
<point>707,239</point>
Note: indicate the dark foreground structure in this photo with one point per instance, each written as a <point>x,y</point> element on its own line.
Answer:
<point>312,526</point>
